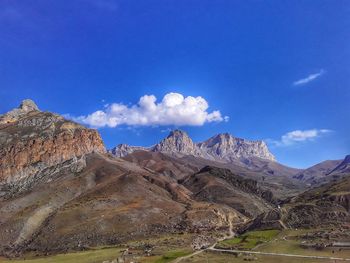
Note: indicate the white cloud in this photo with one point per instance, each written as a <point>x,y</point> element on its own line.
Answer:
<point>174,109</point>
<point>299,136</point>
<point>309,78</point>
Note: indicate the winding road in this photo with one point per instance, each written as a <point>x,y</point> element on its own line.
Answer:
<point>230,235</point>
<point>212,248</point>
<point>276,254</point>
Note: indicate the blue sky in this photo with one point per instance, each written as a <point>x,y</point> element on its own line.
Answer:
<point>280,70</point>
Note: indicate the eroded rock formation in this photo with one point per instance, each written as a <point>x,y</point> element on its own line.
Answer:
<point>32,140</point>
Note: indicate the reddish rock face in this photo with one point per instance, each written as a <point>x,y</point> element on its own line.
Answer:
<point>31,140</point>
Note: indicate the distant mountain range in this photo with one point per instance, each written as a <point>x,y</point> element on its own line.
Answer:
<point>254,155</point>
<point>221,147</point>
<point>324,171</point>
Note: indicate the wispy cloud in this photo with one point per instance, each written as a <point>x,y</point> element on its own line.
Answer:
<point>174,109</point>
<point>309,78</point>
<point>299,136</point>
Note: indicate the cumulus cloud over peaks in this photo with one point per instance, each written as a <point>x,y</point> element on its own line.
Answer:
<point>174,109</point>
<point>298,136</point>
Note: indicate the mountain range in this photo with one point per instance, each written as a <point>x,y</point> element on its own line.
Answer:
<point>61,190</point>
<point>221,147</point>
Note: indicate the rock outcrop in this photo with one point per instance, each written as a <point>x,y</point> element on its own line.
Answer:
<point>32,140</point>
<point>177,142</point>
<point>15,114</point>
<point>221,147</point>
<point>228,148</point>
<point>123,150</point>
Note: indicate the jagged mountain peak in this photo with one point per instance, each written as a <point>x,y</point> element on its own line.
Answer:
<point>123,149</point>
<point>228,147</point>
<point>28,105</point>
<point>177,141</point>
<point>177,133</point>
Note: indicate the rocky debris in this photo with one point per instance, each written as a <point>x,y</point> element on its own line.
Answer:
<point>221,147</point>
<point>201,242</point>
<point>32,141</point>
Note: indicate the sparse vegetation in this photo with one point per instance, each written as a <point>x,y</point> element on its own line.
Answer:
<point>224,258</point>
<point>171,255</point>
<point>249,240</point>
<point>289,242</point>
<point>90,256</point>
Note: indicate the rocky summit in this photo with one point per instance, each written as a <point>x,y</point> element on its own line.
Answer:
<point>32,141</point>
<point>228,148</point>
<point>222,147</point>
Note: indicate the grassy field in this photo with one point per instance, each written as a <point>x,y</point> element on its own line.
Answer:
<point>249,240</point>
<point>100,255</point>
<point>91,256</point>
<point>288,242</point>
<point>167,248</point>
<point>172,255</point>
<point>164,249</point>
<point>225,258</point>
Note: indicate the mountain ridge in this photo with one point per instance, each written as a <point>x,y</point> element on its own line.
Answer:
<point>220,147</point>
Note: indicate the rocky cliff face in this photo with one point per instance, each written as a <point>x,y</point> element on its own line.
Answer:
<point>222,147</point>
<point>228,148</point>
<point>177,142</point>
<point>32,140</point>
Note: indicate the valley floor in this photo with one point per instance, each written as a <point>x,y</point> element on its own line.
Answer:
<point>258,246</point>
